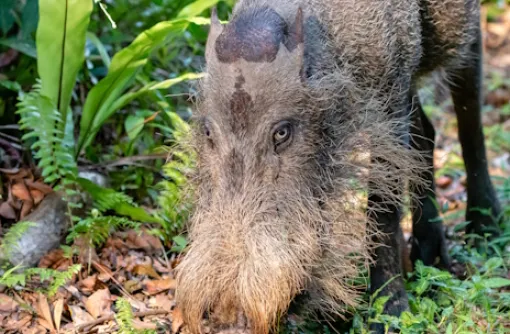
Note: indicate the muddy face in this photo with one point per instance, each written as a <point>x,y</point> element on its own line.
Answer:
<point>258,232</point>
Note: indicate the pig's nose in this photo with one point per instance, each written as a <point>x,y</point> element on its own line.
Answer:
<point>239,327</point>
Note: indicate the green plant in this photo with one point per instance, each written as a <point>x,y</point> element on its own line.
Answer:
<point>174,199</point>
<point>97,228</point>
<point>45,111</point>
<point>56,279</point>
<point>10,239</point>
<point>125,317</point>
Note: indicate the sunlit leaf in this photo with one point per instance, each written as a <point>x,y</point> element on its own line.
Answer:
<point>134,125</point>
<point>196,8</point>
<point>60,44</point>
<point>125,65</point>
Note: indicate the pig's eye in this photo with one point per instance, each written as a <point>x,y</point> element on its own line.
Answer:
<point>282,134</point>
<point>206,128</point>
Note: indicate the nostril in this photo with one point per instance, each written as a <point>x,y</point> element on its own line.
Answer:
<point>216,323</point>
<point>242,322</point>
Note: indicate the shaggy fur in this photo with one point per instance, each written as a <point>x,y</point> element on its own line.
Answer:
<point>271,222</point>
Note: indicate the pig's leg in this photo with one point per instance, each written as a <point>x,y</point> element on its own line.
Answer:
<point>466,89</point>
<point>428,233</point>
<point>385,273</point>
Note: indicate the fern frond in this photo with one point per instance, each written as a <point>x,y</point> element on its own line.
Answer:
<point>174,197</point>
<point>11,278</point>
<point>124,316</point>
<point>97,229</point>
<point>60,278</point>
<point>52,148</point>
<point>105,198</point>
<point>11,238</point>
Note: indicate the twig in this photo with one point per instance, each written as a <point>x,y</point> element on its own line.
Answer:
<point>11,148</point>
<point>9,127</point>
<point>100,320</point>
<point>126,161</point>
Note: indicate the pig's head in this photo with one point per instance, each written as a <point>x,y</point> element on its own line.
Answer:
<point>274,212</point>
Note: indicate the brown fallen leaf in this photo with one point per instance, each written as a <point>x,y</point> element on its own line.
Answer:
<point>146,269</point>
<point>27,207</point>
<point>20,190</point>
<point>132,286</point>
<point>39,185</point>
<point>58,307</point>
<point>142,325</point>
<point>7,211</point>
<point>43,309</point>
<point>37,329</point>
<point>88,284</point>
<point>79,315</point>
<point>52,259</point>
<point>45,324</point>
<point>143,240</point>
<point>37,195</point>
<point>177,320</point>
<point>443,181</point>
<point>99,303</point>
<point>17,323</point>
<point>153,287</point>
<point>162,301</point>
<point>7,304</point>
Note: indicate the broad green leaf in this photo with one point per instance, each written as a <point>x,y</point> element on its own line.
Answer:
<point>29,18</point>
<point>24,46</point>
<point>125,64</point>
<point>98,193</point>
<point>379,304</point>
<point>60,42</point>
<point>196,8</point>
<point>179,243</point>
<point>12,85</point>
<point>134,125</point>
<point>128,97</point>
<point>7,15</point>
<point>496,282</point>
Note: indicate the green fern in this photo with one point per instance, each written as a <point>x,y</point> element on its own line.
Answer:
<point>53,149</point>
<point>97,228</point>
<point>174,199</point>
<point>60,278</point>
<point>11,278</point>
<point>11,238</point>
<point>125,318</point>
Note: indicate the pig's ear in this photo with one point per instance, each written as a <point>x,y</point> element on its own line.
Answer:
<point>215,31</point>
<point>295,41</point>
<point>295,32</point>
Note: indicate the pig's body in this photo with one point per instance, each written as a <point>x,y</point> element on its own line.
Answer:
<point>297,93</point>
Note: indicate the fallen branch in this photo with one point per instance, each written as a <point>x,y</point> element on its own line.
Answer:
<point>100,320</point>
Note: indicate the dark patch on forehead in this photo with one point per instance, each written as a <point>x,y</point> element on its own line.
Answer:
<point>239,81</point>
<point>241,104</point>
<point>236,169</point>
<point>254,35</point>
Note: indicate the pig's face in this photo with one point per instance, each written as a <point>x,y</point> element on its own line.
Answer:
<point>261,230</point>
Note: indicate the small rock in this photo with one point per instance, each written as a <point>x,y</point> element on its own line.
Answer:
<point>49,223</point>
